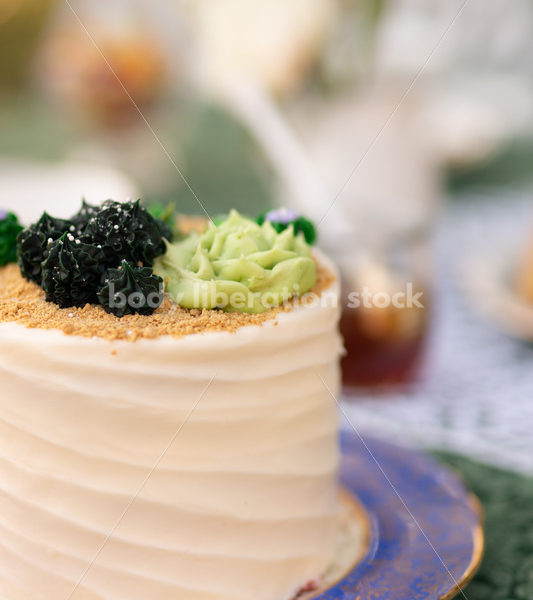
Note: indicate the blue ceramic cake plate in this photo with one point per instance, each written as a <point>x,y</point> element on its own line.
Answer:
<point>426,541</point>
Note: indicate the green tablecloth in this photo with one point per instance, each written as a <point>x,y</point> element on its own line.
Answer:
<point>507,498</point>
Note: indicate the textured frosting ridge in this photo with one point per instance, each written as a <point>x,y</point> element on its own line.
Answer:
<point>243,504</point>
<point>237,265</point>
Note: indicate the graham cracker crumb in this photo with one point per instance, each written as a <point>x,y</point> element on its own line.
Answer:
<point>23,302</point>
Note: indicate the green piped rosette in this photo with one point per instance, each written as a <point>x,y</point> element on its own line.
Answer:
<point>9,231</point>
<point>237,266</point>
<point>283,218</point>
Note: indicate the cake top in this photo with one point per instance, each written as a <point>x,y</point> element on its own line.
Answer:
<point>23,302</point>
<point>113,271</point>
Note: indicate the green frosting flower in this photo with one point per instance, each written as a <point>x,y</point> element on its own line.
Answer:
<point>282,218</point>
<point>237,266</point>
<point>9,230</point>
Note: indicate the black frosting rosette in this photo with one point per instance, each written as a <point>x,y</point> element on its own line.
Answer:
<point>131,290</point>
<point>69,257</point>
<point>126,231</point>
<point>33,242</point>
<point>71,272</point>
<point>82,217</point>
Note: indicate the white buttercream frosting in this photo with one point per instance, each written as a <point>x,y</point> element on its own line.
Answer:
<point>242,502</point>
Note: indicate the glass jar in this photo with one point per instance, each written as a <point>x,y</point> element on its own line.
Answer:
<point>386,303</point>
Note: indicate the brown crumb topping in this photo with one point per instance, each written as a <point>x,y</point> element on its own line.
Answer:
<point>24,302</point>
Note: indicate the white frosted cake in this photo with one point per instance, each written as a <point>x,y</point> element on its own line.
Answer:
<point>140,459</point>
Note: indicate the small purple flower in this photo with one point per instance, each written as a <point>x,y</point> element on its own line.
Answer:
<point>282,215</point>
<point>3,214</point>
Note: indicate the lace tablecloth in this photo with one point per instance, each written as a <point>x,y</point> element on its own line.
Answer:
<point>477,394</point>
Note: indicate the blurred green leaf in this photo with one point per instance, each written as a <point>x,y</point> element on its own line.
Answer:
<point>32,129</point>
<point>507,499</point>
<point>222,163</point>
<point>510,166</point>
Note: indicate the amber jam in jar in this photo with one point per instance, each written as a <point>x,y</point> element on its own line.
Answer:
<point>384,346</point>
<point>387,281</point>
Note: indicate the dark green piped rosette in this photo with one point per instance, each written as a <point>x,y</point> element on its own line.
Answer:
<point>33,244</point>
<point>126,231</point>
<point>138,284</point>
<point>71,272</point>
<point>9,231</point>
<point>283,218</point>
<point>75,260</point>
<point>238,265</point>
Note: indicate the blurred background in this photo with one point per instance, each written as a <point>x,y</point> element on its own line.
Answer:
<point>403,128</point>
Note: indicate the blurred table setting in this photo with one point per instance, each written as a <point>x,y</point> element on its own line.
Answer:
<point>473,393</point>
